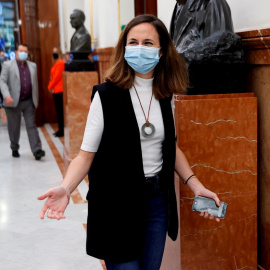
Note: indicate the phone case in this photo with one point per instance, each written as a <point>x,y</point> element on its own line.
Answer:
<point>201,204</point>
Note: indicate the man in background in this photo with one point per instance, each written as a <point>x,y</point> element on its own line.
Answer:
<point>19,87</point>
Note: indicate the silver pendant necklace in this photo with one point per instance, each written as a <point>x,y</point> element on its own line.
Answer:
<point>148,130</point>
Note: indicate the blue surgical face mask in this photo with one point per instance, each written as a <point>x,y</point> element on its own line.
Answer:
<point>142,58</point>
<point>23,56</point>
<point>2,58</point>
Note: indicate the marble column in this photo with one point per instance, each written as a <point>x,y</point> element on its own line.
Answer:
<point>257,45</point>
<point>218,134</point>
<point>77,99</point>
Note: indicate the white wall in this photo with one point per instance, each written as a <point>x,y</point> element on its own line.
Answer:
<point>86,10</point>
<point>94,35</point>
<point>165,11</point>
<point>61,13</point>
<point>127,11</point>
<point>250,14</point>
<point>246,14</point>
<point>108,31</point>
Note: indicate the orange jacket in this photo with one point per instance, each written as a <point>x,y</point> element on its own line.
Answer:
<point>56,81</point>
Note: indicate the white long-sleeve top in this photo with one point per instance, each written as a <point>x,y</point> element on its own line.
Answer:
<point>151,147</point>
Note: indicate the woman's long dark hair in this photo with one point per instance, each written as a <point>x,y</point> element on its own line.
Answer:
<point>170,74</point>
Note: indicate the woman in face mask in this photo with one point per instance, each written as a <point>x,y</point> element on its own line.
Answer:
<point>56,87</point>
<point>129,149</point>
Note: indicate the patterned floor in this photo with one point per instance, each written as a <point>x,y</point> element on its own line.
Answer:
<point>26,242</point>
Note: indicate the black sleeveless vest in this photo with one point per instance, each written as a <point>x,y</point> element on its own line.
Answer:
<point>116,179</point>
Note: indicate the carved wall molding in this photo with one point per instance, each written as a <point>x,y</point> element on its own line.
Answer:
<point>257,46</point>
<point>256,39</point>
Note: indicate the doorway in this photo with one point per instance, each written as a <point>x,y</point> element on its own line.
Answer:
<point>9,27</point>
<point>145,7</point>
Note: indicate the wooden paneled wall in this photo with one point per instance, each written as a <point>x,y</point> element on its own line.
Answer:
<point>145,7</point>
<point>40,30</point>
<point>50,37</point>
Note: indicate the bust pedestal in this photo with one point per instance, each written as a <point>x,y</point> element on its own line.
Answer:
<point>217,78</point>
<point>218,135</point>
<point>104,61</point>
<point>77,99</point>
<point>79,62</point>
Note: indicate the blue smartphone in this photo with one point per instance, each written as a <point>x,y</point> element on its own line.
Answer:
<point>202,204</point>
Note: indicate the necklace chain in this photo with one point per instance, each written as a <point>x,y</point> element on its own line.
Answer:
<point>146,119</point>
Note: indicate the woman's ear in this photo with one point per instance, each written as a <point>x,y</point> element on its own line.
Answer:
<point>160,52</point>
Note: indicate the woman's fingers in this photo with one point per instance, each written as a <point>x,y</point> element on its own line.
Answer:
<point>50,213</point>
<point>43,211</point>
<point>206,215</point>
<point>54,214</point>
<point>209,194</point>
<point>44,195</point>
<point>215,197</point>
<point>58,215</point>
<point>61,215</point>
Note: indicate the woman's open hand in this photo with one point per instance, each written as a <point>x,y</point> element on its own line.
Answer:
<point>56,203</point>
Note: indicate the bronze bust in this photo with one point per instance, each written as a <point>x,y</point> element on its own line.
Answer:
<point>81,39</point>
<point>202,32</point>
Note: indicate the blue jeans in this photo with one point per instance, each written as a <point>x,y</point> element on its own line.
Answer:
<point>155,234</point>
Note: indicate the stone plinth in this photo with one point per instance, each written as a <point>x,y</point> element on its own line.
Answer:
<point>80,62</point>
<point>77,99</point>
<point>218,134</point>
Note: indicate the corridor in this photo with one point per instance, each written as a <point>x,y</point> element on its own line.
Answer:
<point>26,241</point>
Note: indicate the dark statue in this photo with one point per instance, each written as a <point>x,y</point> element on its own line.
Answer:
<point>202,31</point>
<point>81,39</point>
<point>80,45</point>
